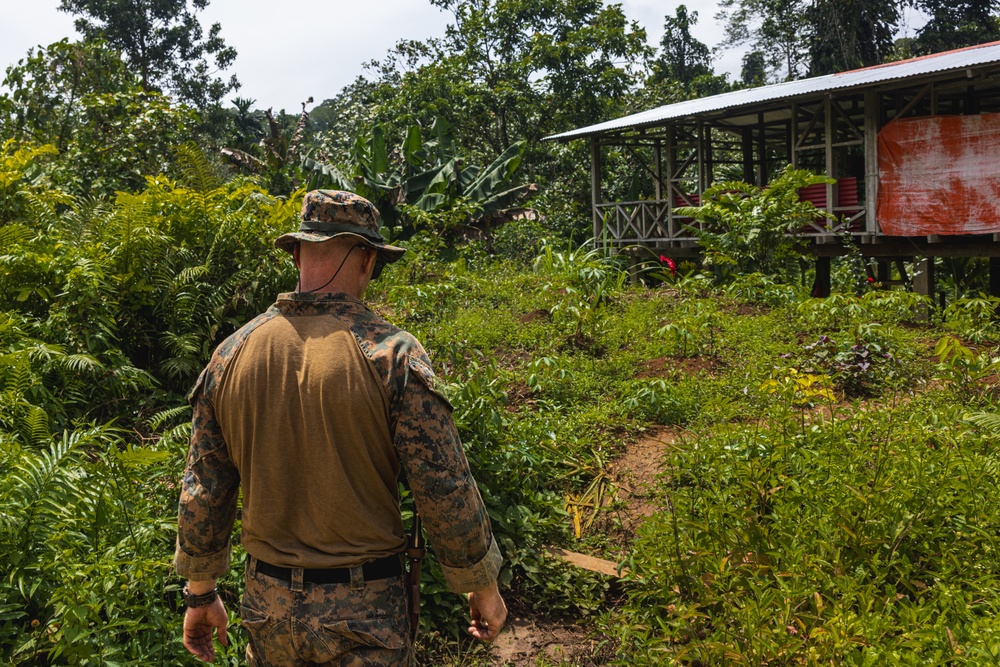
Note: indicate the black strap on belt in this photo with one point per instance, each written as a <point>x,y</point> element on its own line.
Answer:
<point>415,551</point>
<point>380,568</point>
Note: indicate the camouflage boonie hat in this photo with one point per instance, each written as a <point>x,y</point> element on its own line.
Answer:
<point>327,214</point>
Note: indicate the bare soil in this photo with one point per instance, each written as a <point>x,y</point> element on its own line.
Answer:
<point>634,474</point>
<point>519,395</point>
<point>669,366</point>
<point>526,641</point>
<point>536,315</point>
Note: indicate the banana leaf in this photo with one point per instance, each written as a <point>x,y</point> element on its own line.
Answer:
<point>497,174</point>
<point>322,175</point>
<point>413,148</point>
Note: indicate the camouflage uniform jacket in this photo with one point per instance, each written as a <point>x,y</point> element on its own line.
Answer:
<point>423,433</point>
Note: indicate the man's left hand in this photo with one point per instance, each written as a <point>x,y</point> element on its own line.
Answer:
<point>198,626</point>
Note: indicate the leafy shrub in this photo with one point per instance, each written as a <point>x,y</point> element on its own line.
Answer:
<point>863,369</point>
<point>852,540</point>
<point>521,240</point>
<point>974,318</point>
<point>761,289</point>
<point>584,281</point>
<point>695,332</point>
<point>840,311</point>
<point>661,402</point>
<point>746,228</point>
<point>965,370</point>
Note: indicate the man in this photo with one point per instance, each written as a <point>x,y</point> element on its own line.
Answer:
<point>313,407</point>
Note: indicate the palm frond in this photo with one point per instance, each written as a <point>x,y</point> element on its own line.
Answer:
<point>987,421</point>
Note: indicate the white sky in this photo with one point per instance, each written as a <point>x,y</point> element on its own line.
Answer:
<point>294,49</point>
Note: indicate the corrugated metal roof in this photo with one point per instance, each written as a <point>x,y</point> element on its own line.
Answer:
<point>949,60</point>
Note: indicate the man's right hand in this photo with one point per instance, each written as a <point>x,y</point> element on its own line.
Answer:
<point>199,625</point>
<point>489,613</point>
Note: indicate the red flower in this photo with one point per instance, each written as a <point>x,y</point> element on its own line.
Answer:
<point>871,280</point>
<point>664,258</point>
<point>671,266</point>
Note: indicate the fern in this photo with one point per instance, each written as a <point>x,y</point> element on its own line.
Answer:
<point>987,421</point>
<point>14,234</point>
<point>160,418</point>
<point>195,170</point>
<point>80,363</point>
<point>35,477</point>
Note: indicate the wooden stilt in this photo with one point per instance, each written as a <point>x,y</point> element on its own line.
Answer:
<point>994,276</point>
<point>884,272</point>
<point>923,283</point>
<point>821,285</point>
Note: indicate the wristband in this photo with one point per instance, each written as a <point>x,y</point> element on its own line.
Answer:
<point>192,601</point>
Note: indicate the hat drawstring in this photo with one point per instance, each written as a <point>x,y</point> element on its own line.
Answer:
<point>344,261</point>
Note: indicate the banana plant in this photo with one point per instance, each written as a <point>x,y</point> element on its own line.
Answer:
<point>428,176</point>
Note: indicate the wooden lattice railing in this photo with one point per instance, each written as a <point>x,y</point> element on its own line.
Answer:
<point>651,220</point>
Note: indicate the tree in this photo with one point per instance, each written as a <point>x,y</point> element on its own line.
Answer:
<point>512,69</point>
<point>682,57</point>
<point>47,86</point>
<point>163,42</point>
<point>955,24</point>
<point>848,34</point>
<point>247,125</point>
<point>754,70</point>
<point>80,97</point>
<point>777,29</point>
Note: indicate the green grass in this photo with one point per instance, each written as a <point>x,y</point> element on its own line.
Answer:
<point>830,495</point>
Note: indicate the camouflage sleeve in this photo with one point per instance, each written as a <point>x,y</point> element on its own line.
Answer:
<point>446,495</point>
<point>208,495</point>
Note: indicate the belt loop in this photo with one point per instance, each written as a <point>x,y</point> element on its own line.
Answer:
<point>297,573</point>
<point>253,567</point>
<point>357,578</point>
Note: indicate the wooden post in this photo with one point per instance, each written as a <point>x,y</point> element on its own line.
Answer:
<point>761,151</point>
<point>884,272</point>
<point>709,158</point>
<point>793,137</point>
<point>923,283</point>
<point>658,170</point>
<point>671,175</point>
<point>595,187</point>
<point>821,285</point>
<point>635,266</point>
<point>829,121</point>
<point>700,148</point>
<point>747,146</point>
<point>994,276</point>
<point>871,161</point>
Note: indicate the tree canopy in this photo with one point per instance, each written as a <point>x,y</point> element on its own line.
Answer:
<point>163,42</point>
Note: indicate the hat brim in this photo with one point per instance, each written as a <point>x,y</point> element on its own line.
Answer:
<point>286,242</point>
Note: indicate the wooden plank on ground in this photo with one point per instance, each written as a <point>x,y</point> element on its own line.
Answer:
<point>590,563</point>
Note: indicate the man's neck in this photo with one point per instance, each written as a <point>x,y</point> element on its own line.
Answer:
<point>336,287</point>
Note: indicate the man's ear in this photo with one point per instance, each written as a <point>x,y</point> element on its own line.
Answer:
<point>295,255</point>
<point>369,263</point>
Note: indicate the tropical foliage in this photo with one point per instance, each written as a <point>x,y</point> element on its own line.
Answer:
<point>821,473</point>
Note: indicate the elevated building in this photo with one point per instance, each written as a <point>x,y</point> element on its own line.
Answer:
<point>914,147</point>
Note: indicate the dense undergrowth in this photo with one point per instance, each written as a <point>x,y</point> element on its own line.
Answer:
<point>829,496</point>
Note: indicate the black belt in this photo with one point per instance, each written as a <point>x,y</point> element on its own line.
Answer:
<point>380,568</point>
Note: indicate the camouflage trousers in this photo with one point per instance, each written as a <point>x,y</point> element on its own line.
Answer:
<point>357,624</point>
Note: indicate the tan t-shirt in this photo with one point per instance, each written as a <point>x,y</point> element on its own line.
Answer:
<point>295,409</point>
<point>306,419</point>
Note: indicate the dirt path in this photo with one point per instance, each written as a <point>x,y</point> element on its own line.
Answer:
<point>635,474</point>
<point>532,641</point>
<point>526,642</point>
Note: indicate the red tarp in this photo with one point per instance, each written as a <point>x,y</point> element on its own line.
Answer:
<point>939,175</point>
